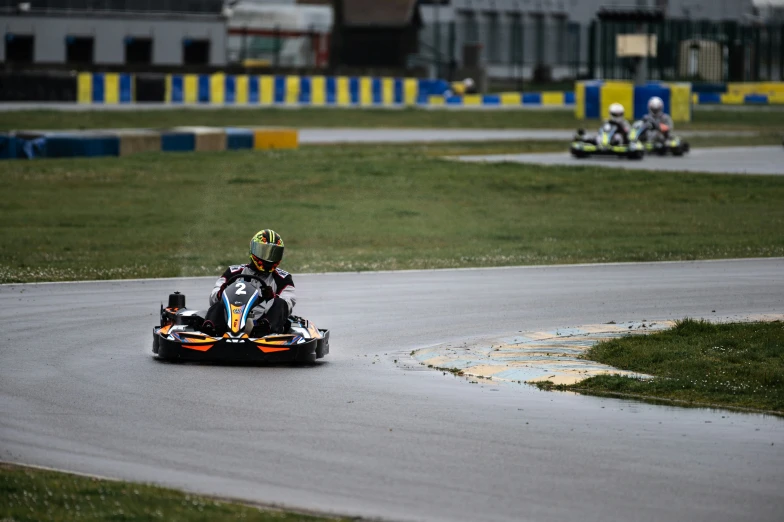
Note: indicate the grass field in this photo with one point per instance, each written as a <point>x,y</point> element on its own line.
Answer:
<point>354,208</point>
<point>770,119</point>
<point>737,365</point>
<point>28,494</point>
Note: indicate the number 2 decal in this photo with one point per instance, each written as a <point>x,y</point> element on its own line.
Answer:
<point>240,288</point>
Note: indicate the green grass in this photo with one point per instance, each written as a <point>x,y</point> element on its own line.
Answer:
<point>30,494</point>
<point>354,208</point>
<point>386,118</point>
<point>735,365</point>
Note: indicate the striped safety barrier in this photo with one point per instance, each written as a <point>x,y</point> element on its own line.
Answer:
<point>509,99</point>
<point>718,98</point>
<point>222,89</point>
<point>107,88</point>
<point>593,99</point>
<point>123,142</point>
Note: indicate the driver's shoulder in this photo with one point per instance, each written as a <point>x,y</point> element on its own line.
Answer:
<point>281,274</point>
<point>234,270</point>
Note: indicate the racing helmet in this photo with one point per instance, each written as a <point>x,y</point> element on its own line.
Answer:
<point>655,106</point>
<point>266,250</point>
<point>616,112</point>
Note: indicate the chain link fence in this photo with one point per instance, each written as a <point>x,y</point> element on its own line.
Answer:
<point>518,50</point>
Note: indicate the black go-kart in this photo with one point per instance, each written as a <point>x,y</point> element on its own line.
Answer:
<point>178,338</point>
<point>607,142</point>
<point>658,139</point>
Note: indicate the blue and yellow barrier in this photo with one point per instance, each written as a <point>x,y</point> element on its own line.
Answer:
<point>106,88</point>
<point>506,99</point>
<point>718,98</point>
<point>130,141</point>
<point>318,91</point>
<point>593,99</point>
<point>368,91</point>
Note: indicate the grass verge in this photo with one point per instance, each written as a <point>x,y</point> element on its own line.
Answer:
<point>366,118</point>
<point>354,208</point>
<point>32,494</point>
<point>739,365</point>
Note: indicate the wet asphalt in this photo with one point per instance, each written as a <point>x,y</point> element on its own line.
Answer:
<point>729,160</point>
<point>371,432</point>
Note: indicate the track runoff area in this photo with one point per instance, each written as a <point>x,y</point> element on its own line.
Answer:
<point>370,431</point>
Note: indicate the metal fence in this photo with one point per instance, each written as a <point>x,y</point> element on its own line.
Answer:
<point>695,50</point>
<point>546,49</point>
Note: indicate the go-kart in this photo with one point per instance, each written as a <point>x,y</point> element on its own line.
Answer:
<point>606,143</point>
<point>658,139</point>
<point>178,338</point>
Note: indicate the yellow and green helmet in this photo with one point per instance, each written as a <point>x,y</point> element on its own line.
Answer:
<point>266,250</point>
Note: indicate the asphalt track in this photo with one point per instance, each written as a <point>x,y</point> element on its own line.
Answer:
<point>730,160</point>
<point>315,136</point>
<point>370,432</point>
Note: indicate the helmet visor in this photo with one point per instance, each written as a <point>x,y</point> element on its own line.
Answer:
<point>267,252</point>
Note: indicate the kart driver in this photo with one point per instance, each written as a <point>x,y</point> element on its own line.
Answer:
<point>657,118</point>
<point>278,298</point>
<point>618,121</point>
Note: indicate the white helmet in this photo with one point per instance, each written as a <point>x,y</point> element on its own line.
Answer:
<point>655,105</point>
<point>616,112</point>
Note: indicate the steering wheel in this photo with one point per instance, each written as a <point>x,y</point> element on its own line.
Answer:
<point>245,277</point>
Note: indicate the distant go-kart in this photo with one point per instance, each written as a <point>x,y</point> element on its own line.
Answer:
<point>178,337</point>
<point>658,140</point>
<point>606,143</point>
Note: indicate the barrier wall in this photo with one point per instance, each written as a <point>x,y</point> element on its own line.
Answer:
<point>306,90</point>
<point>593,99</point>
<point>113,88</point>
<point>122,142</point>
<point>107,88</point>
<point>315,91</point>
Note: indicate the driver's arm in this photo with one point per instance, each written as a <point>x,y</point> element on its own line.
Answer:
<point>287,293</point>
<point>219,285</point>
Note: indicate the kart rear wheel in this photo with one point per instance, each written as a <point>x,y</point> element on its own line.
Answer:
<point>636,155</point>
<point>677,151</point>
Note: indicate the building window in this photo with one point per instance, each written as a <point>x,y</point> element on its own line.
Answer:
<point>539,38</point>
<point>493,37</point>
<point>562,36</point>
<point>138,51</point>
<point>196,52</point>
<point>19,48</point>
<point>516,38</point>
<point>79,49</point>
<point>470,26</point>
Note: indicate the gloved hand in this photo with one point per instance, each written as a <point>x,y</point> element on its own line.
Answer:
<point>267,293</point>
<point>220,292</point>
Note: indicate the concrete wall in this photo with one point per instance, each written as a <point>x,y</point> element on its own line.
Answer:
<point>110,33</point>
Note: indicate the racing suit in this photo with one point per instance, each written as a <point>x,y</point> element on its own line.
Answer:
<point>276,310</point>
<point>657,121</point>
<point>622,127</point>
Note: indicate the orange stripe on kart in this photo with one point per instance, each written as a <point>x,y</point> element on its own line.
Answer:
<point>198,339</point>
<point>165,329</point>
<point>270,349</point>
<point>198,347</point>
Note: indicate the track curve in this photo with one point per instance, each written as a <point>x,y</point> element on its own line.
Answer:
<point>362,434</point>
